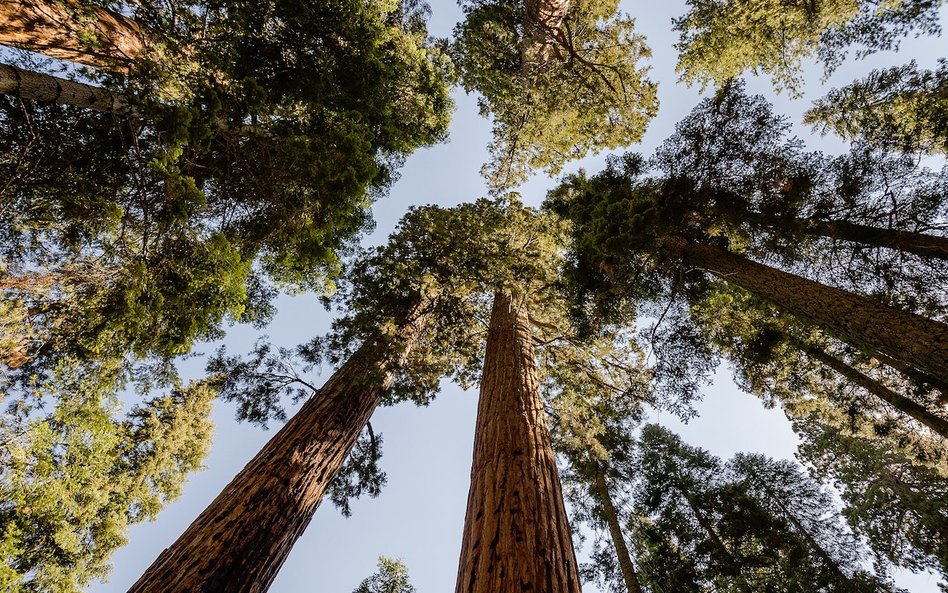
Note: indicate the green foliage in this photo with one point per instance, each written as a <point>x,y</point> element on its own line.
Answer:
<point>897,504</point>
<point>902,108</point>
<point>75,478</point>
<point>723,39</point>
<point>260,133</point>
<point>392,577</point>
<point>572,88</point>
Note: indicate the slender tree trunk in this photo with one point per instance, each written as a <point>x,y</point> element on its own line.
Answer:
<point>861,321</point>
<point>516,534</point>
<point>241,540</point>
<point>58,31</point>
<point>817,549</point>
<point>921,244</point>
<point>615,531</point>
<point>915,375</point>
<point>36,86</point>
<point>896,400</point>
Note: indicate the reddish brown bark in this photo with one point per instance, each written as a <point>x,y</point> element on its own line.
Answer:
<point>58,30</point>
<point>241,540</point>
<point>542,20</point>
<point>36,86</point>
<point>861,321</point>
<point>516,534</point>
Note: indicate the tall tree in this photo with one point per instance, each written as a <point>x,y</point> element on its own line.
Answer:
<point>559,78</point>
<point>516,533</point>
<point>722,39</point>
<point>392,577</point>
<point>903,108</point>
<point>76,476</point>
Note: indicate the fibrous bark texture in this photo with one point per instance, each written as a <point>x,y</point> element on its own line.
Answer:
<point>516,534</point>
<point>861,321</point>
<point>68,31</point>
<point>36,86</point>
<point>241,540</point>
<point>542,20</point>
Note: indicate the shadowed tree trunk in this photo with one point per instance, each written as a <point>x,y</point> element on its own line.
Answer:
<point>898,401</point>
<point>241,540</point>
<point>68,31</point>
<point>516,534</point>
<point>861,321</point>
<point>36,86</point>
<point>915,375</point>
<point>615,532</point>
<point>920,244</point>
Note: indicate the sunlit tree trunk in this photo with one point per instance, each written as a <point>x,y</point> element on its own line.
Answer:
<point>623,555</point>
<point>861,321</point>
<point>241,540</point>
<point>542,20</point>
<point>66,30</point>
<point>898,401</point>
<point>36,86</point>
<point>516,534</point>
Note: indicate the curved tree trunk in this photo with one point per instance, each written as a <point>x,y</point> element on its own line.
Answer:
<point>615,532</point>
<point>241,540</point>
<point>47,27</point>
<point>36,86</point>
<point>516,534</point>
<point>861,321</point>
<point>898,401</point>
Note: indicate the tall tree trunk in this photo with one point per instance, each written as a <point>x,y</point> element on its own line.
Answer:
<point>58,31</point>
<point>241,540</point>
<point>516,534</point>
<point>815,547</point>
<point>615,532</point>
<point>36,86</point>
<point>898,401</point>
<point>915,375</point>
<point>861,321</point>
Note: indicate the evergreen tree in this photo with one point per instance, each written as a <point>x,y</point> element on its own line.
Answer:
<point>559,78</point>
<point>392,577</point>
<point>75,477</point>
<point>722,39</point>
<point>903,108</point>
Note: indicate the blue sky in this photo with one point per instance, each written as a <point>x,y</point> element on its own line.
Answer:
<point>419,514</point>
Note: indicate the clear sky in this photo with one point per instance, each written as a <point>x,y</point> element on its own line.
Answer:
<point>427,451</point>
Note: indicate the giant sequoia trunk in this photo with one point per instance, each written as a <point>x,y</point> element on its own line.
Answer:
<point>898,401</point>
<point>516,534</point>
<point>239,542</point>
<point>36,86</point>
<point>63,30</point>
<point>615,532</point>
<point>861,321</point>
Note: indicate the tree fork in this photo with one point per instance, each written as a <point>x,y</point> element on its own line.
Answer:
<point>516,533</point>
<point>48,27</point>
<point>861,321</point>
<point>242,538</point>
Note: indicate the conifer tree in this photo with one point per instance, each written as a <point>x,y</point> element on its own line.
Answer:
<point>559,78</point>
<point>902,108</point>
<point>392,577</point>
<point>77,475</point>
<point>723,39</point>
